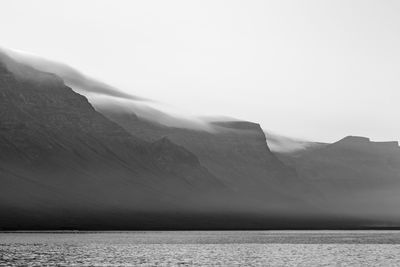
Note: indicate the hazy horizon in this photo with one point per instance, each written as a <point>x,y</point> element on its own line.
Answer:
<point>312,70</point>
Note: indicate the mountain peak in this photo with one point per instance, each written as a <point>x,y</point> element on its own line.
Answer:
<point>364,142</point>
<point>354,139</point>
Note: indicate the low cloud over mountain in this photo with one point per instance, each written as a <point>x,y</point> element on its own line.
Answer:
<point>78,153</point>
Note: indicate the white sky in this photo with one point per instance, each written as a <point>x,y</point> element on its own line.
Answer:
<point>318,70</point>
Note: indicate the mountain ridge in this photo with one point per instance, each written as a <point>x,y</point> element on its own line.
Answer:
<point>70,162</point>
<point>51,137</point>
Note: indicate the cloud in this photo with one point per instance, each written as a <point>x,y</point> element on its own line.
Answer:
<point>73,78</point>
<point>154,112</point>
<point>283,144</point>
<point>101,95</point>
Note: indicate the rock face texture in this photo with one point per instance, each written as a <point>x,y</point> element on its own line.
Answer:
<point>357,177</point>
<point>234,151</point>
<point>63,163</point>
<point>67,162</point>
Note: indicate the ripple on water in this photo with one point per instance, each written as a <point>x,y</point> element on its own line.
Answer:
<point>350,248</point>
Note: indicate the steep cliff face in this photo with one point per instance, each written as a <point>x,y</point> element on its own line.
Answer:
<point>67,161</point>
<point>234,151</point>
<point>357,176</point>
<point>63,162</point>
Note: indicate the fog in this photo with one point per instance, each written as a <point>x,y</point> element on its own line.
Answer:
<point>284,144</point>
<point>317,70</point>
<point>105,96</point>
<point>360,196</point>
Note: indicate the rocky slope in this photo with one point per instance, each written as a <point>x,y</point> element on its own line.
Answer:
<point>68,162</point>
<point>357,176</point>
<point>63,163</point>
<point>234,151</point>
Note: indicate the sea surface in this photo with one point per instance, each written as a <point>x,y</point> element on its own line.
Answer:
<point>201,248</point>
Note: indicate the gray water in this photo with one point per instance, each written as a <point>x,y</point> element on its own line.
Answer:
<point>202,248</point>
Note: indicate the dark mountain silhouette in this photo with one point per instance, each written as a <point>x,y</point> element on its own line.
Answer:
<point>358,177</point>
<point>234,151</point>
<point>62,162</point>
<point>65,165</point>
<point>69,163</point>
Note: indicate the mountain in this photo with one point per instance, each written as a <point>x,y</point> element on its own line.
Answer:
<point>79,154</point>
<point>62,163</point>
<point>66,164</point>
<point>358,177</point>
<point>234,151</point>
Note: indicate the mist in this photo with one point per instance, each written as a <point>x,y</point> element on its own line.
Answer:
<point>283,144</point>
<point>104,96</point>
<point>262,185</point>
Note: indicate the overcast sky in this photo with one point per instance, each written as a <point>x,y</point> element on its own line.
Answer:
<point>318,70</point>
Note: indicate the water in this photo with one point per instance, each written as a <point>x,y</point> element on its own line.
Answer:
<point>201,248</point>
